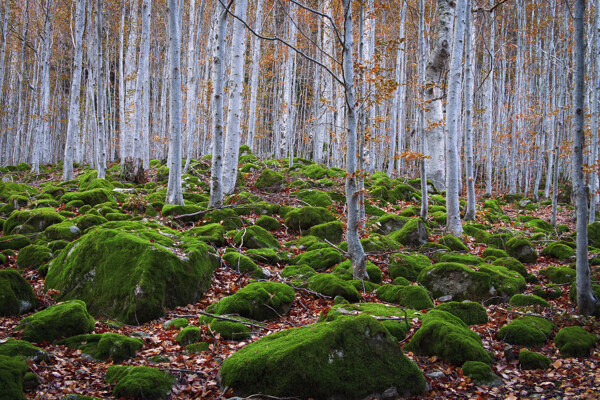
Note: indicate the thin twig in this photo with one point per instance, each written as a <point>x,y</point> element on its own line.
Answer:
<point>224,319</point>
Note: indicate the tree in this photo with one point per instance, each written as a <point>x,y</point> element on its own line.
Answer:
<point>100,149</point>
<point>469,94</point>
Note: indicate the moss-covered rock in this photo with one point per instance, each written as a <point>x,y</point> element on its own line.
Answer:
<point>324,360</point>
<point>466,259</point>
<point>14,242</point>
<point>33,256</point>
<point>558,250</point>
<point>34,220</point>
<point>331,285</point>
<point>448,337</point>
<point>493,205</point>
<point>526,331</point>
<point>269,180</point>
<point>255,237</point>
<point>12,371</point>
<point>512,264</point>
<point>532,360</point>
<point>16,294</point>
<point>105,346</point>
<point>415,297</point>
<point>196,348</point>
<point>408,266</point>
<point>176,323</point>
<point>258,301</point>
<point>130,271</point>
<point>521,249</point>
<point>213,233</point>
<point>481,373</point>
<point>88,220</point>
<point>453,242</point>
<point>456,280</point>
<point>504,281</point>
<point>240,262</point>
<point>90,197</point>
<point>23,349</point>
<point>331,231</point>
<point>319,259</point>
<point>301,219</point>
<point>524,300</point>
<point>62,320</point>
<point>470,312</point>
<point>594,234</point>
<point>574,341</point>
<point>230,330</point>
<point>302,272</point>
<point>315,198</point>
<point>559,274</point>
<point>268,223</point>
<point>344,271</point>
<point>139,382</point>
<point>191,212</point>
<point>498,253</point>
<point>269,256</point>
<point>189,335</point>
<point>64,231</point>
<point>412,234</point>
<point>389,223</point>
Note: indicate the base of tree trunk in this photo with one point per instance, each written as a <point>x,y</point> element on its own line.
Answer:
<point>133,170</point>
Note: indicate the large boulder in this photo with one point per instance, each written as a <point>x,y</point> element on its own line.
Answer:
<point>301,219</point>
<point>255,237</point>
<point>456,280</point>
<point>412,234</point>
<point>526,331</point>
<point>105,346</point>
<point>348,358</point>
<point>12,371</point>
<point>91,197</point>
<point>27,221</point>
<point>130,271</point>
<point>139,382</point>
<point>16,294</point>
<point>521,249</point>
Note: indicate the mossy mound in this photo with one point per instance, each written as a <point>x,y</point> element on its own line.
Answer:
<point>498,253</point>
<point>505,281</point>
<point>27,221</point>
<point>559,274</point>
<point>269,256</point>
<point>301,219</point>
<point>573,292</point>
<point>389,223</point>
<point>415,297</point>
<point>12,371</point>
<point>412,234</point>
<point>398,327</point>
<point>532,360</point>
<point>574,341</point>
<point>470,312</point>
<point>331,231</point>
<point>594,234</point>
<point>302,272</point>
<point>269,180</point>
<point>408,266</point>
<point>196,348</point>
<point>558,250</point>
<point>64,231</point>
<point>230,330</point>
<point>319,259</point>
<point>176,323</point>
<point>213,233</point>
<point>344,271</point>
<point>521,249</point>
<point>14,242</point>
<point>331,285</point>
<point>258,301</point>
<point>189,335</point>
<point>90,197</point>
<point>456,280</point>
<point>453,242</point>
<point>33,256</point>
<point>526,331</point>
<point>524,300</point>
<point>268,223</point>
<point>448,337</point>
<point>240,262</point>
<point>105,346</point>
<point>538,224</point>
<point>512,264</point>
<point>466,259</point>
<point>183,212</point>
<point>62,320</point>
<point>88,220</point>
<point>23,349</point>
<point>255,237</point>
<point>226,217</point>
<point>139,382</point>
<point>481,373</point>
<point>324,360</point>
<point>16,294</point>
<point>315,198</point>
<point>130,271</point>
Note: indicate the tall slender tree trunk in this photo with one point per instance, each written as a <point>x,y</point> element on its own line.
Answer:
<point>4,26</point>
<point>489,107</point>
<point>595,92</point>
<point>422,106</point>
<point>287,109</point>
<point>399,102</point>
<point>469,94</point>
<point>100,149</point>
<point>130,67</point>
<point>254,76</point>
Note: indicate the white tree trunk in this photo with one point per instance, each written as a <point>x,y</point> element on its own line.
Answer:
<point>399,102</point>
<point>287,112</point>
<point>4,27</point>
<point>453,224</point>
<point>73,123</point>
<point>595,92</point>
<point>100,149</point>
<point>174,192</point>
<point>469,94</point>
<point>421,106</point>
<point>489,107</point>
<point>129,134</point>
<point>254,76</point>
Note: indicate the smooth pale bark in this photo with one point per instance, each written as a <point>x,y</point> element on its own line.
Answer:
<point>174,191</point>
<point>595,91</point>
<point>73,123</point>
<point>453,224</point>
<point>287,108</point>
<point>552,129</point>
<point>254,76</point>
<point>469,94</point>
<point>4,27</point>
<point>100,148</point>
<point>128,135</point>
<point>587,303</point>
<point>435,72</point>
<point>489,107</point>
<point>399,101</point>
<point>121,70</point>
<point>216,188</point>
<point>422,105</point>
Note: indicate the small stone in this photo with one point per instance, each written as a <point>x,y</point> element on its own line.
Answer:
<point>445,298</point>
<point>436,374</point>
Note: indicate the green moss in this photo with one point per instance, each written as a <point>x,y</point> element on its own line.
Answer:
<point>64,231</point>
<point>389,223</point>
<point>16,294</point>
<point>171,210</point>
<point>301,219</point>
<point>38,220</point>
<point>331,285</point>
<point>403,192</point>
<point>493,205</point>
<point>448,337</point>
<point>196,348</point>
<point>189,335</point>
<point>79,397</point>
<point>12,371</point>
<point>89,197</point>
<point>558,250</point>
<point>213,233</point>
<point>363,286</point>
<point>573,292</point>
<point>512,264</point>
<point>118,217</point>
<point>88,220</point>
<point>480,373</point>
<point>491,252</point>
<point>415,297</point>
<point>532,360</point>
<point>255,237</point>
<point>470,312</point>
<point>344,271</point>
<point>413,233</point>
<point>139,382</point>
<point>324,360</point>
<point>331,231</point>
<point>559,274</point>
<point>62,320</point>
<point>33,256</point>
<point>105,346</point>
<point>23,349</point>
<point>259,301</point>
<point>319,259</point>
<point>521,249</point>
<point>230,330</point>
<point>453,242</point>
<point>130,271</point>
<point>315,171</point>
<point>302,272</point>
<point>376,242</point>
<point>594,234</point>
<point>315,198</point>
<point>269,180</point>
<point>526,331</point>
<point>505,281</point>
<point>176,323</point>
<point>268,223</point>
<point>574,341</point>
<point>466,259</point>
<point>523,300</point>
<point>240,262</point>
<point>456,280</point>
<point>269,256</point>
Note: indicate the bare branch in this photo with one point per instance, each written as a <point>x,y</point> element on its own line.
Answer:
<point>333,25</point>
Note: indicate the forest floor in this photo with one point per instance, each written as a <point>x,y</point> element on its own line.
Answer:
<point>567,378</point>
